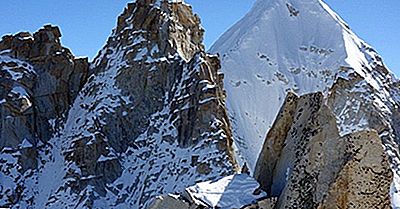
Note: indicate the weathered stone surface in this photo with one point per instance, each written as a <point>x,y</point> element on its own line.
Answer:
<point>173,202</point>
<point>53,78</point>
<point>39,80</point>
<point>268,203</point>
<point>364,181</point>
<point>313,166</point>
<point>270,155</point>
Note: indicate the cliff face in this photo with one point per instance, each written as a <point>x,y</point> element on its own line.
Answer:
<point>149,120</point>
<point>52,79</point>
<point>334,151</point>
<point>326,151</point>
<point>39,81</point>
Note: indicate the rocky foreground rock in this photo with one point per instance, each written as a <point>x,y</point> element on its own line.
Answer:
<point>145,125</point>
<point>305,162</point>
<point>232,191</point>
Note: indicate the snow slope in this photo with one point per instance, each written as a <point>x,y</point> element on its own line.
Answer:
<point>281,46</point>
<point>233,191</point>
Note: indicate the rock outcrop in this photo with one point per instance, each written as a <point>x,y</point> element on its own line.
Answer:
<point>306,163</point>
<point>267,203</point>
<point>53,78</point>
<point>283,46</point>
<point>39,81</point>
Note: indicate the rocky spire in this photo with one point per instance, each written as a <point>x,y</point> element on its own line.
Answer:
<point>150,120</point>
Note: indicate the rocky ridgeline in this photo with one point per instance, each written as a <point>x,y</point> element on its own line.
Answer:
<point>53,79</point>
<point>338,150</point>
<point>39,81</point>
<point>149,120</point>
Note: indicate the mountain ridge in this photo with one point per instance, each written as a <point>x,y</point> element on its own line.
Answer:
<point>150,114</point>
<point>295,100</point>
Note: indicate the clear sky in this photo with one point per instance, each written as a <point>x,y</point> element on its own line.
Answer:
<point>86,24</point>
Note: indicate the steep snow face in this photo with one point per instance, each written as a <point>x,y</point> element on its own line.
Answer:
<point>287,45</point>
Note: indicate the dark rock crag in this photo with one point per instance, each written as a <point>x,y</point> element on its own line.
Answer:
<point>39,81</point>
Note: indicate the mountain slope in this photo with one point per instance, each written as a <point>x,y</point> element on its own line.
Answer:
<point>148,116</point>
<point>150,120</point>
<point>234,191</point>
<point>39,79</point>
<point>282,46</point>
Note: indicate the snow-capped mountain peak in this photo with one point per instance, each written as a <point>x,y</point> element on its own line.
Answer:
<point>282,46</point>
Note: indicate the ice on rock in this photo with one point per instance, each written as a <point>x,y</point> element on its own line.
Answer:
<point>26,144</point>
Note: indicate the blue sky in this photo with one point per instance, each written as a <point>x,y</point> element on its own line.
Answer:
<point>86,24</point>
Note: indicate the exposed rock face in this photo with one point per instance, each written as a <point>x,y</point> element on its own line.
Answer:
<point>365,180</point>
<point>175,202</point>
<point>306,163</point>
<point>150,120</point>
<point>268,203</point>
<point>39,81</point>
<point>57,76</point>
